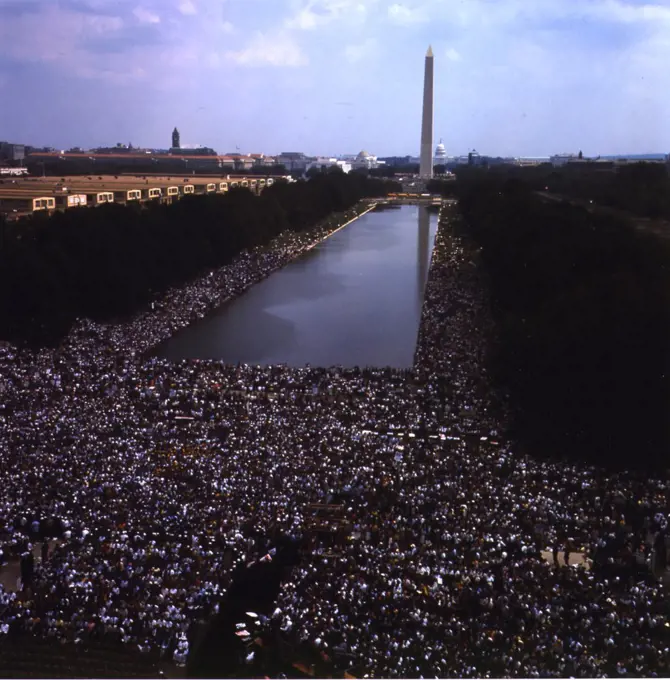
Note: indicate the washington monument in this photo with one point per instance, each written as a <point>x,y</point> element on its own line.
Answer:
<point>426,166</point>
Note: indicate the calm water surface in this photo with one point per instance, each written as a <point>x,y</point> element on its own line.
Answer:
<point>354,300</point>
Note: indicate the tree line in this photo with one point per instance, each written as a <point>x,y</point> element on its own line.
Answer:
<point>110,261</point>
<point>581,303</point>
<point>641,189</point>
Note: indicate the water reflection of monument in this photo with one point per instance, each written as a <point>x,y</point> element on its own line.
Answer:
<point>423,245</point>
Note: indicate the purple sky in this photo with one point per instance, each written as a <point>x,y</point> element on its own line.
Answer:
<point>512,77</point>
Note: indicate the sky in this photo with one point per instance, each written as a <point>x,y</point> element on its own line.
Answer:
<point>330,77</point>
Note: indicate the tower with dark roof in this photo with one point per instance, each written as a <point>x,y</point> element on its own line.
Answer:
<point>175,139</point>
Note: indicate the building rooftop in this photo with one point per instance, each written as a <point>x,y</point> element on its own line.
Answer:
<point>126,156</point>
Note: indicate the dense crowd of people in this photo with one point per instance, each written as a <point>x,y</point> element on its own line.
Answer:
<point>146,482</point>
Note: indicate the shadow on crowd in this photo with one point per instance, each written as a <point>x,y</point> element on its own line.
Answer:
<point>223,647</point>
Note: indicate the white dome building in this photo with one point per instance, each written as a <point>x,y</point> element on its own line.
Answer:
<point>365,160</point>
<point>440,154</point>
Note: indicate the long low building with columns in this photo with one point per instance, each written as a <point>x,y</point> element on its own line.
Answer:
<point>25,195</point>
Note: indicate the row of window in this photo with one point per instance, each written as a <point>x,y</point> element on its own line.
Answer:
<point>49,203</point>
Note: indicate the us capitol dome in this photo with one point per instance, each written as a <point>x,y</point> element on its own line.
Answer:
<point>440,153</point>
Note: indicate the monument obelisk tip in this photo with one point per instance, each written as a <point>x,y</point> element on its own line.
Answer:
<point>426,155</point>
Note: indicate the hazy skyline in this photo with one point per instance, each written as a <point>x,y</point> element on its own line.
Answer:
<point>512,77</point>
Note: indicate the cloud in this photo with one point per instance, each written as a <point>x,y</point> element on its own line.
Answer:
<point>628,12</point>
<point>484,14</point>
<point>119,76</point>
<point>187,7</point>
<point>516,66</point>
<point>365,50</point>
<point>403,15</point>
<point>55,35</point>
<point>305,20</point>
<point>319,13</point>
<point>146,16</point>
<point>269,50</point>
<point>213,60</point>
<point>625,12</point>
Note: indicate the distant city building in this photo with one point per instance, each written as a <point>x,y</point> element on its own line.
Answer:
<point>38,149</point>
<point>396,161</point>
<point>472,158</point>
<point>576,159</point>
<point>325,163</point>
<point>531,160</point>
<point>242,161</point>
<point>123,158</point>
<point>175,139</point>
<point>498,160</point>
<point>198,151</point>
<point>365,161</point>
<point>261,160</point>
<point>119,148</point>
<point>562,158</point>
<point>638,158</point>
<point>293,160</point>
<point>12,152</point>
